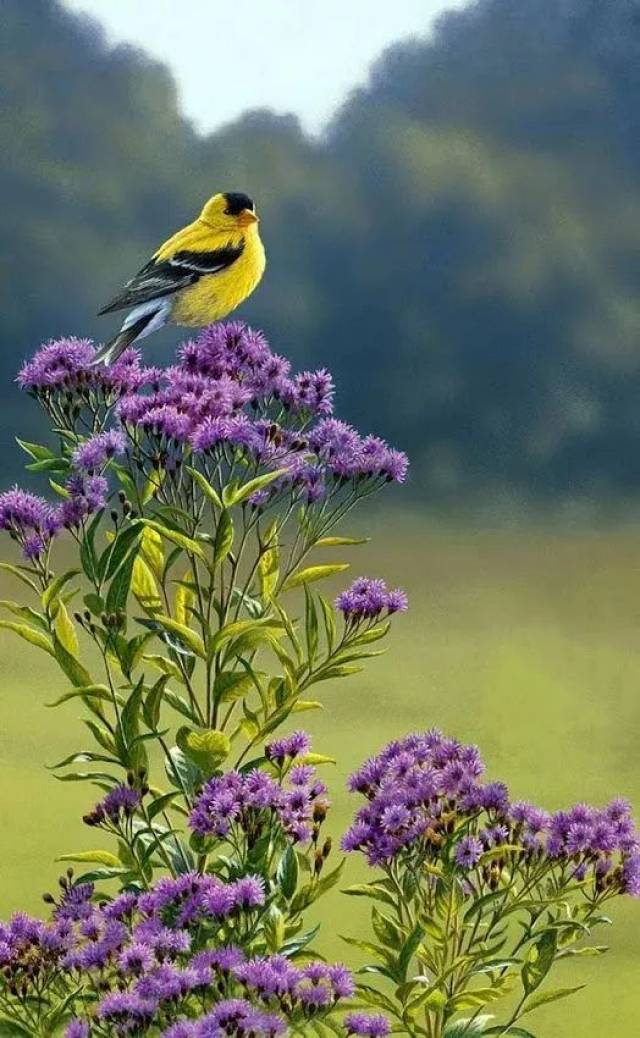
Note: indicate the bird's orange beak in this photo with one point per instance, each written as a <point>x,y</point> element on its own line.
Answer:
<point>246,218</point>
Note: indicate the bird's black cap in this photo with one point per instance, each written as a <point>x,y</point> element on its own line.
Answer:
<point>236,202</point>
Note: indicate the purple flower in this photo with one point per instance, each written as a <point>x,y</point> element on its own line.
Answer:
<point>30,520</point>
<point>77,1029</point>
<point>249,892</point>
<point>468,852</point>
<point>59,363</point>
<point>94,453</point>
<point>366,598</point>
<point>121,801</point>
<point>367,1025</point>
<point>295,745</point>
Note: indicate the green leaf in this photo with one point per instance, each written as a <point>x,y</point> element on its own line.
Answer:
<point>206,747</point>
<point>223,540</point>
<point>539,961</point>
<point>65,631</point>
<point>192,640</point>
<point>328,615</point>
<point>287,872</point>
<point>78,674</point>
<point>409,949</point>
<point>132,751</point>
<point>231,685</point>
<point>11,1029</point>
<point>377,893</point>
<point>152,703</point>
<point>119,589</point>
<point>313,573</point>
<point>205,486</point>
<point>29,635</point>
<point>97,692</point>
<point>238,629</point>
<point>269,564</point>
<point>35,450</point>
<point>180,539</point>
<point>15,571</point>
<point>544,997</point>
<point>55,587</point>
<point>114,555</point>
<point>339,542</point>
<point>467,1028</point>
<point>93,858</point>
<point>245,491</point>
<point>181,771</point>
<point>519,1032</point>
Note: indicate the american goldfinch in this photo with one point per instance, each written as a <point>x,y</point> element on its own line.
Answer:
<point>199,275</point>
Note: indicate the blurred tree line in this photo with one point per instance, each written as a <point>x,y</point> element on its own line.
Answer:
<point>460,247</point>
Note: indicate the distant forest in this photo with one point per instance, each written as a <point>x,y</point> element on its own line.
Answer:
<point>461,246</point>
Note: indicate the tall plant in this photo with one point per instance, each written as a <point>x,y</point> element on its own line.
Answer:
<point>201,501</point>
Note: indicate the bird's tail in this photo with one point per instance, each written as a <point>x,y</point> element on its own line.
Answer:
<point>110,351</point>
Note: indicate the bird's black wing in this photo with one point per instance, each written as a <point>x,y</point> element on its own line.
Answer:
<point>160,278</point>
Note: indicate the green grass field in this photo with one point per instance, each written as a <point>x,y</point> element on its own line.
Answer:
<point>525,642</point>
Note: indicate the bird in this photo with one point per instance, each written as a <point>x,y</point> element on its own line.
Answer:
<point>196,277</point>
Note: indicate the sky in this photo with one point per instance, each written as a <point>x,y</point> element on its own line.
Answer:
<point>301,56</point>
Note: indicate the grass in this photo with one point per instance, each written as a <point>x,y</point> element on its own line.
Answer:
<point>526,642</point>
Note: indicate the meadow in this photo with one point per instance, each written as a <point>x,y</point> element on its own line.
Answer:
<point>525,641</point>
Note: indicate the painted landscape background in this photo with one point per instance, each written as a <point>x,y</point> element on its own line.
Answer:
<point>460,248</point>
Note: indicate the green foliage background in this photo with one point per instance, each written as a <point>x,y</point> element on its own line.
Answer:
<point>464,234</point>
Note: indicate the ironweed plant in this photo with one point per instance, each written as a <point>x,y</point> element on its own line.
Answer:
<point>477,898</point>
<point>202,501</point>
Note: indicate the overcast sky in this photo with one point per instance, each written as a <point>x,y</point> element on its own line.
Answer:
<point>291,55</point>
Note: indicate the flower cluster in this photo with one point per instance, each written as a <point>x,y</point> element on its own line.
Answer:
<point>29,519</point>
<point>62,375</point>
<point>33,522</point>
<point>424,798</point>
<point>144,957</point>
<point>228,405</point>
<point>244,805</point>
<point>367,599</point>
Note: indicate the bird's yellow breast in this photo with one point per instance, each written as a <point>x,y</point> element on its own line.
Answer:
<point>214,296</point>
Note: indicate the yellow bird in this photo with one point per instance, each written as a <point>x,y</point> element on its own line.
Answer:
<point>199,275</point>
